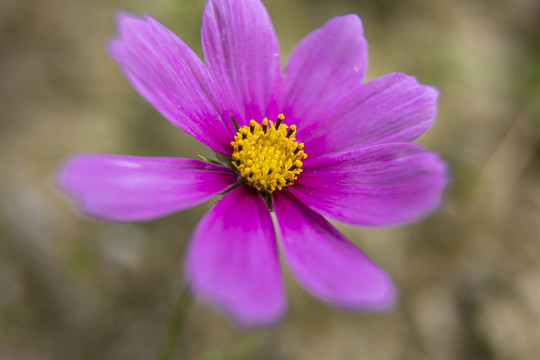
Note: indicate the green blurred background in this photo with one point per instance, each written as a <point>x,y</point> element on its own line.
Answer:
<point>469,275</point>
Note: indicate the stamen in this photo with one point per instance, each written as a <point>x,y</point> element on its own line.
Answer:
<point>267,155</point>
<point>280,118</point>
<point>291,130</point>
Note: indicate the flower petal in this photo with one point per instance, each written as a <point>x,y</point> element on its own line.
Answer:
<point>242,53</point>
<point>326,65</point>
<point>325,262</point>
<point>167,73</point>
<point>129,188</point>
<point>378,185</point>
<point>233,261</point>
<point>392,108</point>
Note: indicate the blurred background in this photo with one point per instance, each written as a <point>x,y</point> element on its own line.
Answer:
<point>469,275</point>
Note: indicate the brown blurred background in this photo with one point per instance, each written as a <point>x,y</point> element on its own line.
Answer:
<point>469,275</point>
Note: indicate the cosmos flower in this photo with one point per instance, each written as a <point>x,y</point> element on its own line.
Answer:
<point>310,142</point>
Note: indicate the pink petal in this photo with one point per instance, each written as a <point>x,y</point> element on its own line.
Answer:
<point>325,262</point>
<point>325,66</point>
<point>129,188</point>
<point>167,73</point>
<point>242,52</point>
<point>378,185</point>
<point>392,108</point>
<point>233,261</point>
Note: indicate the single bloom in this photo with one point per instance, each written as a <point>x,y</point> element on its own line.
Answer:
<point>309,142</point>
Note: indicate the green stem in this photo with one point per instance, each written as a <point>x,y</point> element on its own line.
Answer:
<point>176,324</point>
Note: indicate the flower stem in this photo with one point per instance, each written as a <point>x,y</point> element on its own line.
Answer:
<point>176,324</point>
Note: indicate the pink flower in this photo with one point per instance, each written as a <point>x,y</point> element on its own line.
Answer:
<point>333,146</point>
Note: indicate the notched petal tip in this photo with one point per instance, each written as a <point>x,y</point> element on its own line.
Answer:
<point>352,20</point>
<point>65,180</point>
<point>63,172</point>
<point>131,26</point>
<point>409,81</point>
<point>443,180</point>
<point>239,318</point>
<point>125,21</point>
<point>381,297</point>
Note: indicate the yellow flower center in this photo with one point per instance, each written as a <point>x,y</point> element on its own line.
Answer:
<point>268,156</point>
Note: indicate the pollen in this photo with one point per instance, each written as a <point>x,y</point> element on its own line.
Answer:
<point>268,156</point>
